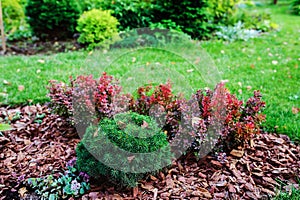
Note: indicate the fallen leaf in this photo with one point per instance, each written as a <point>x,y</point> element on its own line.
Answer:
<point>93,195</point>
<point>22,191</point>
<point>130,158</point>
<point>5,82</point>
<point>21,88</point>
<point>237,153</point>
<point>295,110</point>
<point>41,61</point>
<point>145,125</point>
<point>148,187</point>
<point>121,125</point>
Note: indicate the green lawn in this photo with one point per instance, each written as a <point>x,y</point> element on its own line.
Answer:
<point>269,63</point>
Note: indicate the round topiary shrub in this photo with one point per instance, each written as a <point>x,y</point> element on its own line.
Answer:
<point>96,28</point>
<point>13,15</point>
<point>52,18</point>
<point>146,146</point>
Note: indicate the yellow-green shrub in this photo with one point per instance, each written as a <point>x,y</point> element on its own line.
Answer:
<point>96,27</point>
<point>13,15</point>
<point>221,10</point>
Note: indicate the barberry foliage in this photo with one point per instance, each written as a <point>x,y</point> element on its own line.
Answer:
<point>86,100</point>
<point>214,116</point>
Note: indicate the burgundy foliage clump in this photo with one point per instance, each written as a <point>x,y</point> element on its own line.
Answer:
<point>209,116</point>
<point>86,100</point>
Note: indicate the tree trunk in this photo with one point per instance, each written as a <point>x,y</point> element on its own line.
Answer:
<point>2,29</point>
<point>275,2</point>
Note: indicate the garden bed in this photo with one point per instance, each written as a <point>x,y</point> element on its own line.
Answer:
<point>42,143</point>
<point>29,47</point>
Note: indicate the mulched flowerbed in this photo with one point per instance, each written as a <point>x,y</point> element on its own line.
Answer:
<point>29,47</point>
<point>42,143</point>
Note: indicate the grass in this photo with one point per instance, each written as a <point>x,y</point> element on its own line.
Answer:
<point>269,64</point>
<point>291,194</point>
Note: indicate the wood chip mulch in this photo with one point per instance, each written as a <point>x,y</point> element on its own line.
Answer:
<point>42,143</point>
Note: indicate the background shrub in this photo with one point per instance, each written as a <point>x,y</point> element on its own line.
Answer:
<point>131,132</point>
<point>295,7</point>
<point>97,27</point>
<point>236,32</point>
<point>130,13</point>
<point>256,20</point>
<point>14,20</point>
<point>222,10</point>
<point>193,17</point>
<point>52,18</point>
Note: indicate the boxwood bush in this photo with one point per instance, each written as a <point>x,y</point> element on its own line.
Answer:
<point>131,132</point>
<point>97,27</point>
<point>13,16</point>
<point>52,18</point>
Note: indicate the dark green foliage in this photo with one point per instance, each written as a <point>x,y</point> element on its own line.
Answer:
<point>52,18</point>
<point>130,13</point>
<point>132,133</point>
<point>192,16</point>
<point>295,7</point>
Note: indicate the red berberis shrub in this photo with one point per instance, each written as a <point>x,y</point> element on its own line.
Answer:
<point>87,100</point>
<point>210,117</point>
<point>160,103</point>
<point>236,122</point>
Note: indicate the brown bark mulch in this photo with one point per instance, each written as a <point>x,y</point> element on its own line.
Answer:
<point>42,143</point>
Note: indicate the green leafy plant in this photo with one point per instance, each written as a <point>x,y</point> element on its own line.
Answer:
<point>97,28</point>
<point>193,17</point>
<point>256,20</point>
<point>131,132</point>
<point>5,127</point>
<point>295,7</point>
<point>130,13</point>
<point>70,184</point>
<point>221,10</point>
<point>14,20</point>
<point>52,18</point>
<point>236,32</point>
<point>166,24</point>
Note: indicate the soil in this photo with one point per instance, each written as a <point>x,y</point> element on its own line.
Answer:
<point>33,47</point>
<point>41,143</point>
